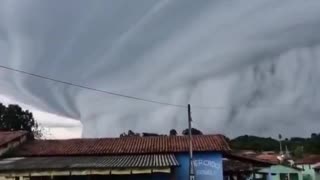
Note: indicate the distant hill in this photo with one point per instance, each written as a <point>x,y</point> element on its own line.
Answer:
<point>296,145</point>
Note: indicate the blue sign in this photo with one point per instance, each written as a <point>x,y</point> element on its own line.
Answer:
<point>205,167</point>
<point>208,166</point>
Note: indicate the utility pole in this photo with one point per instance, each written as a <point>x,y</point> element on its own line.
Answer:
<point>191,165</point>
<point>280,138</point>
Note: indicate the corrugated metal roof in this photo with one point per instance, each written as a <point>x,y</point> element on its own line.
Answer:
<point>93,162</point>
<point>121,146</point>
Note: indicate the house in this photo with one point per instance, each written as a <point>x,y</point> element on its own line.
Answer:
<point>240,167</point>
<point>307,163</point>
<point>10,140</point>
<point>159,157</point>
<point>270,167</point>
<point>317,172</point>
<point>282,172</point>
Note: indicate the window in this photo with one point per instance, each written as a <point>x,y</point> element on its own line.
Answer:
<point>294,176</point>
<point>284,176</point>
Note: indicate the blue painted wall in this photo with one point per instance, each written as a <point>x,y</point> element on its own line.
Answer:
<point>208,166</point>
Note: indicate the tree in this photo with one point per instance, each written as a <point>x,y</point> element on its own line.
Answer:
<point>129,134</point>
<point>298,152</point>
<point>194,131</point>
<point>173,132</point>
<point>146,134</point>
<point>315,136</point>
<point>13,118</point>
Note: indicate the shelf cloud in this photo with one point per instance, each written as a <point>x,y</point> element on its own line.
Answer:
<point>255,64</point>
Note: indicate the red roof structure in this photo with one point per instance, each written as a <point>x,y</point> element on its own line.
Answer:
<point>9,136</point>
<point>309,159</point>
<point>249,159</point>
<point>126,145</point>
<point>268,157</point>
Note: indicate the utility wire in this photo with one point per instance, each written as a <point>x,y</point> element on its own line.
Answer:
<point>123,95</point>
<point>92,89</point>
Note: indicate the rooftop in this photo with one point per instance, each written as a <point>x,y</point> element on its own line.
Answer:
<point>309,159</point>
<point>84,162</point>
<point>8,136</point>
<point>121,146</point>
<point>268,157</point>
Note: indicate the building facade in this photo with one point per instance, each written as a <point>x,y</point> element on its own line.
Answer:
<point>308,164</point>
<point>160,157</point>
<point>317,172</point>
<point>281,172</point>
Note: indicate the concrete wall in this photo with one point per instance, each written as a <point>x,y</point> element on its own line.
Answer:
<point>308,171</point>
<point>317,176</point>
<point>208,166</point>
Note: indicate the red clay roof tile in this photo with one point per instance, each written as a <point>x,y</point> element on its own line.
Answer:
<point>268,157</point>
<point>309,159</point>
<point>127,145</point>
<point>8,136</point>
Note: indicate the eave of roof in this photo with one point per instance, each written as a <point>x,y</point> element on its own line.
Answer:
<point>88,162</point>
<point>247,159</point>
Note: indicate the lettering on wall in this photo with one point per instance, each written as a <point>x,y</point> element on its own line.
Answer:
<point>206,167</point>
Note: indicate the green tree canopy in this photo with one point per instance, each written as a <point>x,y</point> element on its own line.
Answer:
<point>13,118</point>
<point>194,131</point>
<point>297,145</point>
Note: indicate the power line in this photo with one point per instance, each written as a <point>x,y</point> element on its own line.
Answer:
<point>128,96</point>
<point>92,89</point>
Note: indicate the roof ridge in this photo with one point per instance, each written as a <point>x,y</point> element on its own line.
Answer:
<point>128,145</point>
<point>142,137</point>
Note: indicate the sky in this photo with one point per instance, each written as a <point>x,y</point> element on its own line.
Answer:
<point>246,67</point>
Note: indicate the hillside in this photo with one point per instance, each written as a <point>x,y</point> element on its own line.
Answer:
<point>296,145</point>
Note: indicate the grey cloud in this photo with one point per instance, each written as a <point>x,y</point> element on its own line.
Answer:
<point>207,53</point>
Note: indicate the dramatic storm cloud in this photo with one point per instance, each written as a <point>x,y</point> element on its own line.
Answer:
<point>255,63</point>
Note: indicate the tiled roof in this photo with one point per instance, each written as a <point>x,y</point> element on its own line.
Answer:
<point>249,159</point>
<point>8,136</point>
<point>268,157</point>
<point>309,159</point>
<point>83,162</point>
<point>127,145</point>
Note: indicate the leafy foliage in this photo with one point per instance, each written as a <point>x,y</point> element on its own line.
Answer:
<point>13,118</point>
<point>194,131</point>
<point>173,132</point>
<point>297,145</point>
